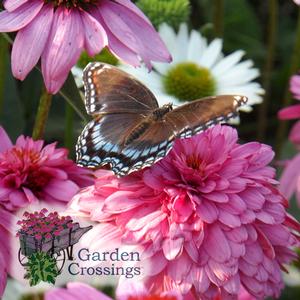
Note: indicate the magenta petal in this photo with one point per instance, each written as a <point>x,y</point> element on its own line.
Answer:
<point>5,140</point>
<point>11,5</point>
<point>135,32</point>
<point>134,8</point>
<point>294,135</point>
<point>290,177</point>
<point>172,247</point>
<point>120,202</point>
<point>291,112</point>
<point>20,17</point>
<point>64,46</point>
<point>62,190</point>
<point>216,244</point>
<point>95,35</point>
<point>30,42</point>
<point>54,85</point>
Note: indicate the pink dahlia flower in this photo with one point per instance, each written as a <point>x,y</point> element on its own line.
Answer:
<point>58,31</point>
<point>81,291</point>
<point>207,216</point>
<point>30,171</point>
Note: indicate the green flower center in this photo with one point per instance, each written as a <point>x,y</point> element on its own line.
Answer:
<point>187,81</point>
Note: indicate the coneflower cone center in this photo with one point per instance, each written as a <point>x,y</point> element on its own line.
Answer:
<point>73,3</point>
<point>187,81</point>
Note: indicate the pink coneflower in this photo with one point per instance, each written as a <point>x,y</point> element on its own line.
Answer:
<point>290,178</point>
<point>293,111</point>
<point>207,216</point>
<point>30,171</point>
<point>59,30</point>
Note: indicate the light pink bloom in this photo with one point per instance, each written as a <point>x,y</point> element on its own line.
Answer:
<point>81,291</point>
<point>297,1</point>
<point>58,31</point>
<point>30,171</point>
<point>207,216</point>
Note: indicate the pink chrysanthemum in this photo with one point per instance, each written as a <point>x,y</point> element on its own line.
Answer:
<point>207,216</point>
<point>30,171</point>
<point>59,30</point>
<point>132,291</point>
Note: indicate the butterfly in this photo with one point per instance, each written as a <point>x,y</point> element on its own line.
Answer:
<point>129,131</point>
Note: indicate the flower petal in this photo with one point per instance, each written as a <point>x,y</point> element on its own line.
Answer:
<point>291,112</point>
<point>95,35</point>
<point>30,43</point>
<point>20,17</point>
<point>62,190</point>
<point>290,177</point>
<point>132,29</point>
<point>6,143</point>
<point>64,46</point>
<point>11,5</point>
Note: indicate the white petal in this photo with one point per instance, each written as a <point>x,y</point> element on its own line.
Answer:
<point>211,54</point>
<point>228,62</point>
<point>196,46</point>
<point>180,51</point>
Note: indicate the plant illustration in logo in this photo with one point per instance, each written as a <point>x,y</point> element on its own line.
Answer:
<point>46,241</point>
<point>41,267</point>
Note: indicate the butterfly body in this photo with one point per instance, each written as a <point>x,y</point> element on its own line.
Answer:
<point>129,131</point>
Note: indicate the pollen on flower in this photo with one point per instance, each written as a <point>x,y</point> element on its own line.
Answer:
<point>187,81</point>
<point>193,161</point>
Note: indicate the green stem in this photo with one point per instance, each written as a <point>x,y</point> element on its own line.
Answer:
<point>69,118</point>
<point>3,64</point>
<point>77,110</point>
<point>294,66</point>
<point>42,115</point>
<point>218,17</point>
<point>267,73</point>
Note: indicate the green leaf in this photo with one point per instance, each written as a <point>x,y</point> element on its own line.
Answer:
<point>41,267</point>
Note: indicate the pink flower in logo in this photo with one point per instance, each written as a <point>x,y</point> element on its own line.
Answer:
<point>207,216</point>
<point>58,31</point>
<point>30,171</point>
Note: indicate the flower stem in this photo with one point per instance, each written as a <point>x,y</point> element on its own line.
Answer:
<point>69,118</point>
<point>271,45</point>
<point>42,115</point>
<point>294,66</point>
<point>218,17</point>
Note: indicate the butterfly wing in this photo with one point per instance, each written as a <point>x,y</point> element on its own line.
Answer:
<point>103,138</point>
<point>196,116</point>
<point>110,90</point>
<point>182,122</point>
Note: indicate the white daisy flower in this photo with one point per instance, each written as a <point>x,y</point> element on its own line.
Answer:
<point>198,70</point>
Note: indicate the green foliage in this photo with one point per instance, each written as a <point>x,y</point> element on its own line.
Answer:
<point>105,56</point>
<point>172,12</point>
<point>41,267</point>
